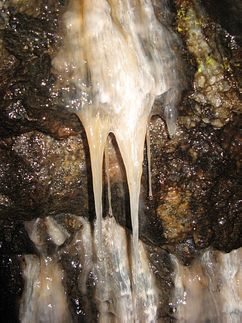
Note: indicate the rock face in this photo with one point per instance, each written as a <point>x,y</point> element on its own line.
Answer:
<point>44,159</point>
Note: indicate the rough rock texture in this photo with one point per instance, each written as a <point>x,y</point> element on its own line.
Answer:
<point>44,163</point>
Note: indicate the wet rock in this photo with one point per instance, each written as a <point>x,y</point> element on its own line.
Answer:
<point>162,268</point>
<point>28,103</point>
<point>215,95</point>
<point>227,14</point>
<point>26,36</point>
<point>185,179</point>
<point>27,82</point>
<point>14,238</point>
<point>11,285</point>
<point>228,17</point>
<point>44,158</point>
<point>7,67</point>
<point>41,175</point>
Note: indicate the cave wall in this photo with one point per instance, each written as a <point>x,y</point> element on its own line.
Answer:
<point>44,160</point>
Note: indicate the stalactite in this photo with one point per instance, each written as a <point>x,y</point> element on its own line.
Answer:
<point>119,58</point>
<point>110,211</point>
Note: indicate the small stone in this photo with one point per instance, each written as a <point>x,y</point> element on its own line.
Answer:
<point>201,81</point>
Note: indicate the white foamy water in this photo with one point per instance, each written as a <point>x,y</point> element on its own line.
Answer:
<point>119,57</point>
<point>209,290</point>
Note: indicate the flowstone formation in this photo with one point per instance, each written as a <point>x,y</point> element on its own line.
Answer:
<point>45,168</point>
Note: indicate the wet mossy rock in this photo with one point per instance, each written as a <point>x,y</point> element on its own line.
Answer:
<point>44,158</point>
